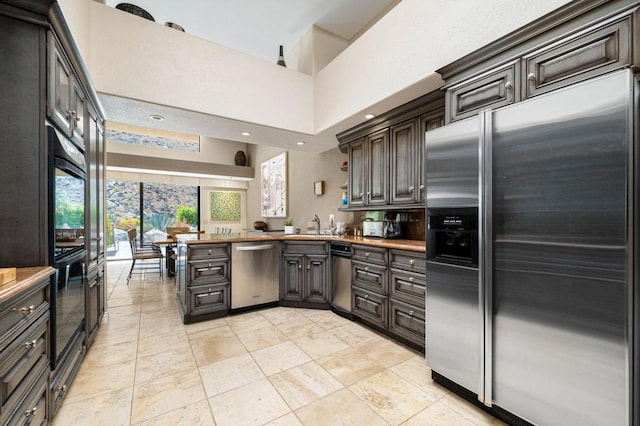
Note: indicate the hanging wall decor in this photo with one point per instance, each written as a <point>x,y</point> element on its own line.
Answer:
<point>273,187</point>
<point>225,206</point>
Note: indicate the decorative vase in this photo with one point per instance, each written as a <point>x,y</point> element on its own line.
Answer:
<point>241,158</point>
<point>281,58</point>
<point>288,229</point>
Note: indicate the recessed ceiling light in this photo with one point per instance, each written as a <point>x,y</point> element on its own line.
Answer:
<point>246,133</point>
<point>156,117</point>
<point>300,142</point>
<point>369,116</point>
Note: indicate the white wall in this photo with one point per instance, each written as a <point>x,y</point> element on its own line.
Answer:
<point>304,169</point>
<point>315,50</point>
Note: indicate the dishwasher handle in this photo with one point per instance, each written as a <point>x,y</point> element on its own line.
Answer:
<point>255,248</point>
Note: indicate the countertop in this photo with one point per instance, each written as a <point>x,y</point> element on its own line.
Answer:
<point>25,278</point>
<point>240,237</point>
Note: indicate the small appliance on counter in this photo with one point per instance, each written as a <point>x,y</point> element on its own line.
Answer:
<point>394,225</point>
<point>373,228</point>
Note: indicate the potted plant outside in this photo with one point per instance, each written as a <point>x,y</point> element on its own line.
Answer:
<point>288,226</point>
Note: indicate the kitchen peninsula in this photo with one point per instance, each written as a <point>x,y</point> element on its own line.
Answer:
<point>387,278</point>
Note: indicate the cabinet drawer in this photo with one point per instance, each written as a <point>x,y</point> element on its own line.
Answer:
<point>33,409</point>
<point>370,306</point>
<point>205,272</point>
<point>208,251</point>
<point>407,286</point>
<point>369,276</point>
<point>23,312</point>
<point>408,260</point>
<point>407,321</point>
<point>369,254</point>
<point>494,89</point>
<point>305,247</point>
<point>22,356</point>
<point>208,298</point>
<point>581,56</point>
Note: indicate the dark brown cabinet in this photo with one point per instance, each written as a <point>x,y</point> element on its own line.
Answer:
<point>304,278</point>
<point>386,155</point>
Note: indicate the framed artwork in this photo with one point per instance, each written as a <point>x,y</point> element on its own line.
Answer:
<point>225,206</point>
<point>273,186</point>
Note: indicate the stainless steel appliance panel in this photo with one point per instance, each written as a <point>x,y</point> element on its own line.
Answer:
<point>341,276</point>
<point>255,273</point>
<point>453,323</point>
<point>452,165</point>
<point>560,273</point>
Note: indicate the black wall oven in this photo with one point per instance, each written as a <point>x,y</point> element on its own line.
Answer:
<point>67,196</point>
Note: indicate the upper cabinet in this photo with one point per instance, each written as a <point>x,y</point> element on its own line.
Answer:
<point>66,101</point>
<point>386,155</point>
<point>573,44</point>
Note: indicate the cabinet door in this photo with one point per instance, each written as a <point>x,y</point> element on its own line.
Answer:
<point>378,168</point>
<point>59,105</point>
<point>357,173</point>
<point>100,191</point>
<point>403,147</point>
<point>91,310</point>
<point>93,211</point>
<point>407,321</point>
<point>78,112</point>
<point>317,279</point>
<point>427,122</point>
<point>293,276</point>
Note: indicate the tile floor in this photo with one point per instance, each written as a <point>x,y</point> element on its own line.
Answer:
<point>279,366</point>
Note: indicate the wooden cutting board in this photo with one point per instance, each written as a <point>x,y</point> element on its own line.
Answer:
<point>7,274</point>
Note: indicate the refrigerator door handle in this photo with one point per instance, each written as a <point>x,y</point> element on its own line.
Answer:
<point>485,261</point>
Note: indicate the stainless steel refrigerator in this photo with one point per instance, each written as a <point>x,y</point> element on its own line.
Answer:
<point>532,250</point>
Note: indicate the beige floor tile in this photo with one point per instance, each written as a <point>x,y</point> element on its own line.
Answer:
<point>254,404</point>
<point>164,363</point>
<point>386,352</point>
<point>111,335</point>
<point>163,342</point>
<point>321,344</point>
<point>231,373</point>
<point>197,414</point>
<point>205,325</point>
<point>341,408</point>
<point>125,300</point>
<point>111,354</point>
<point>207,351</point>
<point>247,322</point>
<point>211,333</point>
<point>125,310</point>
<point>159,326</point>
<point>328,320</point>
<point>277,358</point>
<point>262,337</point>
<point>355,335</point>
<point>288,420</point>
<point>350,366</point>
<point>302,385</point>
<point>438,414</point>
<point>469,411</point>
<point>392,397</point>
<point>108,409</point>
<point>415,371</point>
<point>282,315</point>
<point>300,328</point>
<point>166,394</point>
<point>93,380</point>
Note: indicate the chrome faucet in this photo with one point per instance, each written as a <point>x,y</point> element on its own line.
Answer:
<point>316,219</point>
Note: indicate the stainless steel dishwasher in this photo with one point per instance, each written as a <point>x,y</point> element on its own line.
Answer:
<point>341,278</point>
<point>255,273</point>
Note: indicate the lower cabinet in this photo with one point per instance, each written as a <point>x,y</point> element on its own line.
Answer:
<point>203,281</point>
<point>304,277</point>
<point>65,372</point>
<point>391,298</point>
<point>94,303</point>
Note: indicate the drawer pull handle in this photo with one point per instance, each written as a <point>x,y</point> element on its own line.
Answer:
<point>367,254</point>
<point>62,388</point>
<point>411,279</point>
<point>411,189</point>
<point>412,262</point>
<point>31,412</point>
<point>531,77</point>
<point>421,187</point>
<point>26,310</point>
<point>209,251</point>
<point>31,344</point>
<point>299,266</point>
<point>508,85</point>
<point>411,313</point>
<point>308,266</point>
<point>366,296</point>
<point>366,268</point>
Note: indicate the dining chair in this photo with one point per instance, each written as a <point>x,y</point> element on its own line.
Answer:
<point>147,258</point>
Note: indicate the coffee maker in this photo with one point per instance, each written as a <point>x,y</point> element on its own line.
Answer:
<point>394,225</point>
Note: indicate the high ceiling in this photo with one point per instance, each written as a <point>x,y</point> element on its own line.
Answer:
<point>258,27</point>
